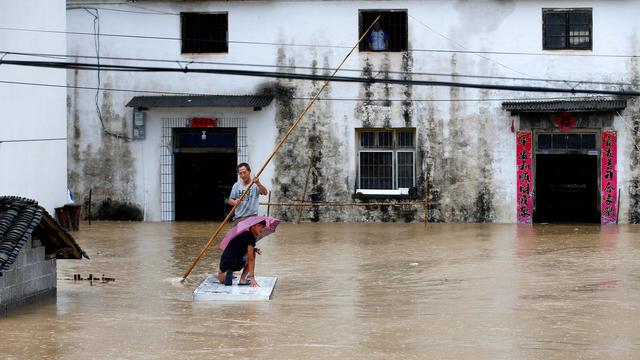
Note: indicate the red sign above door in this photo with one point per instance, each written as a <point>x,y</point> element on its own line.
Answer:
<point>203,123</point>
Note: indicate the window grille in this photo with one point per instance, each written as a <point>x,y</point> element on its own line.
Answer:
<point>167,164</point>
<point>376,170</point>
<point>573,141</point>
<point>204,33</point>
<point>567,29</point>
<point>386,159</point>
<point>393,23</point>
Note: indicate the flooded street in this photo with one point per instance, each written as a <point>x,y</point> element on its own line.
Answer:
<point>365,291</point>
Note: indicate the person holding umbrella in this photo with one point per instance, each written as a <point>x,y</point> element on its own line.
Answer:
<point>239,248</point>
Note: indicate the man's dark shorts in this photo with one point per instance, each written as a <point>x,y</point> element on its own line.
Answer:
<point>231,264</point>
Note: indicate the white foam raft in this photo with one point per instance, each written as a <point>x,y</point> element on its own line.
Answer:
<point>212,290</point>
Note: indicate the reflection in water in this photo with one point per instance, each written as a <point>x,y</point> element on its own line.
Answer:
<point>347,290</point>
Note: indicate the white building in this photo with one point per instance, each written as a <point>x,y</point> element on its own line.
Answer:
<point>33,125</point>
<point>454,145</point>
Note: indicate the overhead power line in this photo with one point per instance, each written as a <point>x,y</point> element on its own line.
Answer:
<point>311,77</point>
<point>390,72</point>
<point>181,93</point>
<point>30,140</point>
<point>147,12</point>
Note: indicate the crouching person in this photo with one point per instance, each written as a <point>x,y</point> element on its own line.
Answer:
<point>240,254</point>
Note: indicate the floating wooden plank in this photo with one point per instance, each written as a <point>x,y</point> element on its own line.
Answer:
<point>212,290</point>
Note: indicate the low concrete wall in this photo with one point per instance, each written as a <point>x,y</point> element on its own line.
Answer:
<point>30,278</point>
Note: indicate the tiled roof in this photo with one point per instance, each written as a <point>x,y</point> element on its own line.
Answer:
<point>200,100</point>
<point>20,218</point>
<point>565,105</point>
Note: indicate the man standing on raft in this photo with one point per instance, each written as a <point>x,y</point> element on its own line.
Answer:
<point>249,205</point>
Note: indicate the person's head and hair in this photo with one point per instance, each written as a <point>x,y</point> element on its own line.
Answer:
<point>256,230</point>
<point>244,171</point>
<point>243,165</point>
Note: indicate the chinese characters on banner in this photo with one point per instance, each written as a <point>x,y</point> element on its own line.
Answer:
<point>609,178</point>
<point>525,179</point>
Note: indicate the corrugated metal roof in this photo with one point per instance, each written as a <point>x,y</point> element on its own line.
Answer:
<point>19,219</point>
<point>200,101</point>
<point>565,105</point>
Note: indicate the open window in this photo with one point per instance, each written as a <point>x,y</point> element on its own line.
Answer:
<point>386,161</point>
<point>204,33</point>
<point>567,29</point>
<point>388,34</point>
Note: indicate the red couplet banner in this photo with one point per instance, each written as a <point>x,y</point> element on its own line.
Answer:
<point>525,178</point>
<point>609,180</point>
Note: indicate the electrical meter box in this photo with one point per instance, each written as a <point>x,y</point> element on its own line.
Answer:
<point>139,125</point>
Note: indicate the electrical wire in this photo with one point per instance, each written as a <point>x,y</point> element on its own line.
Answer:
<point>96,41</point>
<point>312,77</point>
<point>178,93</point>
<point>30,140</point>
<point>149,12</point>
<point>403,73</point>
<point>465,49</point>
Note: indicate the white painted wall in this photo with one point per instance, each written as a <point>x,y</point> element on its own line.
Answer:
<point>438,31</point>
<point>33,125</point>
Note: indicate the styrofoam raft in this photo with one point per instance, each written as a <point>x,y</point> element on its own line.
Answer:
<point>212,290</point>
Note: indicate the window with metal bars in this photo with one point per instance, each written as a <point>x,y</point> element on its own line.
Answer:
<point>386,158</point>
<point>567,29</point>
<point>562,142</point>
<point>388,34</point>
<point>204,33</point>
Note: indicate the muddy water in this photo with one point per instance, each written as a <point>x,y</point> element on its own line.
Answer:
<point>364,291</point>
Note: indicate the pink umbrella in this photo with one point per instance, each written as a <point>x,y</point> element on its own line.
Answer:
<point>244,225</point>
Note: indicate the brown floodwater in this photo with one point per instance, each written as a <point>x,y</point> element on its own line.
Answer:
<point>354,291</point>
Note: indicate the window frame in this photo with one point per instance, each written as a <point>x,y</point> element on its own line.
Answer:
<point>567,36</point>
<point>363,45</point>
<point>413,168</point>
<point>394,150</point>
<point>393,167</point>
<point>190,51</point>
<point>566,150</point>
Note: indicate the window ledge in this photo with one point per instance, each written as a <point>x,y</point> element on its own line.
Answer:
<point>403,193</point>
<point>368,52</point>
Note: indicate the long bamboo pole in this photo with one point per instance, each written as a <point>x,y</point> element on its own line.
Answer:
<point>273,153</point>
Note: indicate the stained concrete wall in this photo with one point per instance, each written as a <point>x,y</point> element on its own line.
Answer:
<point>33,119</point>
<point>465,143</point>
<point>30,277</point>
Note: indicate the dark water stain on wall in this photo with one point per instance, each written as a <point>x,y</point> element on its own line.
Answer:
<point>633,113</point>
<point>362,109</point>
<point>460,174</point>
<point>312,148</point>
<point>456,159</point>
<point>376,110</point>
<point>407,90</point>
<point>430,138</point>
<point>73,152</point>
<point>484,198</point>
<point>109,170</point>
<point>287,169</point>
<point>386,87</point>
